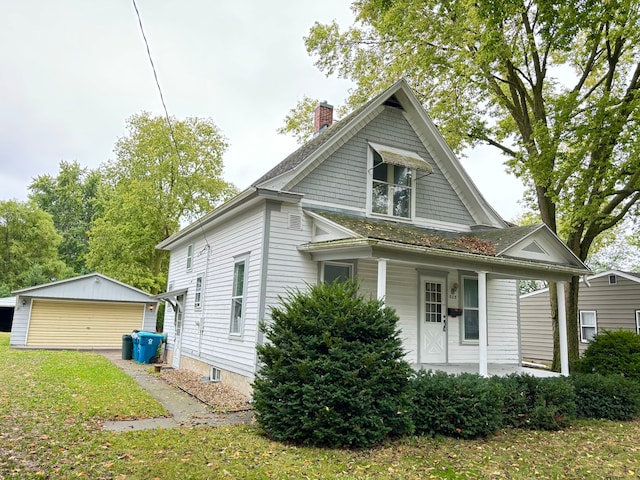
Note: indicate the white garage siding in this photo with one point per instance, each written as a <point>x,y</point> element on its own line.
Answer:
<point>61,323</point>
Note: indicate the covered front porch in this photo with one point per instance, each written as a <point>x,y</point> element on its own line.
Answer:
<point>456,294</point>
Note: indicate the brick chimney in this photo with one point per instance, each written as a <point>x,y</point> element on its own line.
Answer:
<point>322,116</point>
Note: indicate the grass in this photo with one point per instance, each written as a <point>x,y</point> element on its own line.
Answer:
<point>52,405</point>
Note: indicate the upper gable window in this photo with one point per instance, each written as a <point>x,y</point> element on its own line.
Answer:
<point>613,280</point>
<point>393,180</point>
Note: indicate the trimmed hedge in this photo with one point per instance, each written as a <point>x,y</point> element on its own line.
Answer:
<point>465,406</point>
<point>332,370</point>
<point>612,352</point>
<point>611,397</point>
<point>537,403</point>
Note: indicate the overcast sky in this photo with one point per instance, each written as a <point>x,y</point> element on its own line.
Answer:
<point>73,71</point>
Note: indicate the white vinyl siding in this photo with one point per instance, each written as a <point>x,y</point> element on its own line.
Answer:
<point>206,337</point>
<point>588,325</point>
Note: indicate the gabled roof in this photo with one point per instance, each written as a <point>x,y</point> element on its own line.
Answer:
<point>634,277</point>
<point>293,168</point>
<point>85,287</point>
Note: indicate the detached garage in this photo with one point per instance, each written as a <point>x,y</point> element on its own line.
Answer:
<point>88,312</point>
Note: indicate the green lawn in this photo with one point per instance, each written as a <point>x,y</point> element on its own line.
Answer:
<point>52,404</point>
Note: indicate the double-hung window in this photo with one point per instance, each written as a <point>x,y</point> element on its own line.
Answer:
<point>238,296</point>
<point>392,187</point>
<point>189,258</point>
<point>197,303</point>
<point>588,325</point>
<point>471,310</point>
<point>638,322</point>
<point>334,271</point>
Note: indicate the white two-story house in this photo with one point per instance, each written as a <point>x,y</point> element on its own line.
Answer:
<point>379,196</point>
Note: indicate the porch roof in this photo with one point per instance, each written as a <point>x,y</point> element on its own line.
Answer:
<point>483,249</point>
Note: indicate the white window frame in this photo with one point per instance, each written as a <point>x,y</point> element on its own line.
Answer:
<point>465,308</point>
<point>197,300</point>
<point>638,322</point>
<point>238,299</point>
<point>583,338</point>
<point>189,257</point>
<point>613,279</point>
<point>412,186</point>
<point>337,264</point>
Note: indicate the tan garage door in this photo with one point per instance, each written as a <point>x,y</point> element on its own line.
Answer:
<point>82,324</point>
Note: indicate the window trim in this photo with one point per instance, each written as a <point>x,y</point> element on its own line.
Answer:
<point>189,257</point>
<point>244,260</point>
<point>638,322</point>
<point>463,339</point>
<point>198,294</point>
<point>349,265</point>
<point>370,180</point>
<point>613,279</point>
<point>582,326</point>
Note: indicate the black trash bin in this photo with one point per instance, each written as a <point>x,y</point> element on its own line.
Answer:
<point>127,347</point>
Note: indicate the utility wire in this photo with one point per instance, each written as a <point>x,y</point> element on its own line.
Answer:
<point>164,105</point>
<point>155,75</point>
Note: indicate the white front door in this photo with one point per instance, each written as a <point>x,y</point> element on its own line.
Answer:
<point>433,319</point>
<point>175,361</point>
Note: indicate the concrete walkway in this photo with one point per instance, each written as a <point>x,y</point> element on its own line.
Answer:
<point>184,409</point>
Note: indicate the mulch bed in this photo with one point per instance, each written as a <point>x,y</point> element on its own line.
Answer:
<point>221,397</point>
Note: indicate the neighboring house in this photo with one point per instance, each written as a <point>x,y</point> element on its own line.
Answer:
<point>378,196</point>
<point>607,301</point>
<point>7,306</point>
<point>87,312</point>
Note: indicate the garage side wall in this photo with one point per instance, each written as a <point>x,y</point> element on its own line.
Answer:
<point>20,323</point>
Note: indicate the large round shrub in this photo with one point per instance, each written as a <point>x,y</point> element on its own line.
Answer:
<point>332,370</point>
<point>612,352</point>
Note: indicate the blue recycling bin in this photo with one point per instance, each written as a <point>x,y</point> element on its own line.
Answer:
<point>148,344</point>
<point>135,339</point>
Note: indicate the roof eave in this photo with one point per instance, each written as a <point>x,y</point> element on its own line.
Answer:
<point>553,269</point>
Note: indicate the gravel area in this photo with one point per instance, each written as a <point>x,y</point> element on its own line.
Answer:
<point>221,397</point>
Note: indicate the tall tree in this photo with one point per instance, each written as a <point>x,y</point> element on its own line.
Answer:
<point>70,198</point>
<point>28,247</point>
<point>162,175</point>
<point>552,84</point>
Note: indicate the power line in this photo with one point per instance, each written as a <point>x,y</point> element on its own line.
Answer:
<point>155,75</point>
<point>164,105</point>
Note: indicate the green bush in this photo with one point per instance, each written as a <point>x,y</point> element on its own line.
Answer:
<point>465,406</point>
<point>611,397</point>
<point>332,370</point>
<point>537,403</point>
<point>612,352</point>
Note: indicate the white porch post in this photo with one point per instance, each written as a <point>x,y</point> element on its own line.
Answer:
<point>562,330</point>
<point>382,278</point>
<point>483,361</point>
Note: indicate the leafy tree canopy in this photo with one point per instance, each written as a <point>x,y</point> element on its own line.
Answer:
<point>70,198</point>
<point>28,247</point>
<point>161,176</point>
